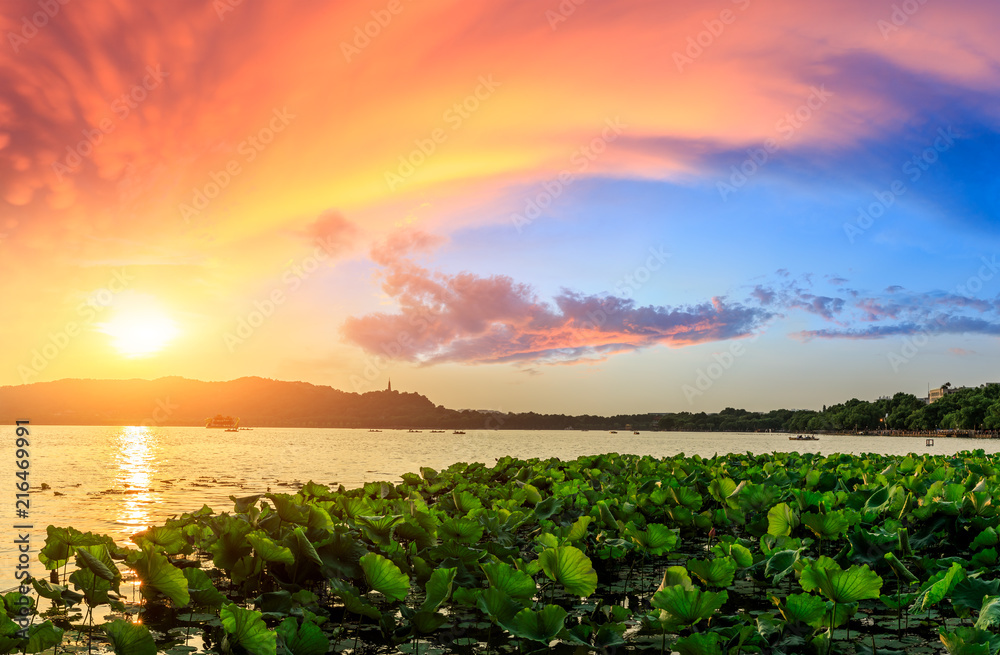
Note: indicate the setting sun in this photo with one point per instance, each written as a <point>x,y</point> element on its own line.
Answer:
<point>139,327</point>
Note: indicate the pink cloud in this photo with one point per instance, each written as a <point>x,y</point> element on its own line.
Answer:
<point>474,319</point>
<point>332,232</point>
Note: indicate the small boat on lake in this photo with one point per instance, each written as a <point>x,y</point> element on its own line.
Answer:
<point>805,437</point>
<point>458,432</point>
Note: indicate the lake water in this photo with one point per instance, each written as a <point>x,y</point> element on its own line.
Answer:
<point>119,480</point>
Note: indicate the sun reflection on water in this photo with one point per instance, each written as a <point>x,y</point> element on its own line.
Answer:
<point>135,456</point>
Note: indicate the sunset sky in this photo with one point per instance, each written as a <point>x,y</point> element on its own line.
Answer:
<point>582,206</point>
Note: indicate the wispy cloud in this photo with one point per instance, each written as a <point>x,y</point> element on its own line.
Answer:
<point>476,319</point>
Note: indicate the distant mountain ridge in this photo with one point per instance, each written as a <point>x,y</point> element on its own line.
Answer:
<point>262,402</point>
<point>180,401</point>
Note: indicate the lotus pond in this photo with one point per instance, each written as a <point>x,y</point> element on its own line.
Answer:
<point>776,553</point>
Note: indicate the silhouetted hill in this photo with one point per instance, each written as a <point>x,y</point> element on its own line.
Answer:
<point>261,402</point>
<point>178,401</point>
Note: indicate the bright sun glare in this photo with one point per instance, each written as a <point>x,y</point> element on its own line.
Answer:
<point>139,327</point>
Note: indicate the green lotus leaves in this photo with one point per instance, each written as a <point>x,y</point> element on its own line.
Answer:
<point>721,489</point>
<point>96,560</point>
<point>802,608</point>
<point>462,530</point>
<point>578,530</point>
<point>489,546</point>
<point>971,641</point>
<point>680,607</point>
<point>900,570</point>
<point>427,622</point>
<point>46,589</point>
<point>571,568</point>
<point>988,537</point>
<point>840,586</point>
<point>385,577</point>
<point>159,575</point>
<point>940,585</point>
<point>301,548</point>
<point>879,501</point>
<point>514,583</point>
<point>95,590</point>
<point>231,544</point>
<point>379,529</point>
<point>245,503</point>
<point>686,497</point>
<point>542,625</point>
<point>289,508</point>
<point>715,572</point>
<point>42,636</point>
<point>61,544</point>
<point>340,554</point>
<point>970,593</point>
<point>830,525</point>
<point>989,613</point>
<point>497,605</point>
<point>352,600</point>
<point>305,638</point>
<point>699,644</point>
<point>676,575</point>
<point>656,539</point>
<point>465,502</point>
<point>129,638</point>
<point>740,553</point>
<point>169,541</point>
<point>201,590</point>
<point>438,588</point>
<point>870,547</point>
<point>246,628</point>
<point>755,497</point>
<point>781,520</point>
<point>780,564</point>
<point>268,550</point>
<point>547,508</point>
